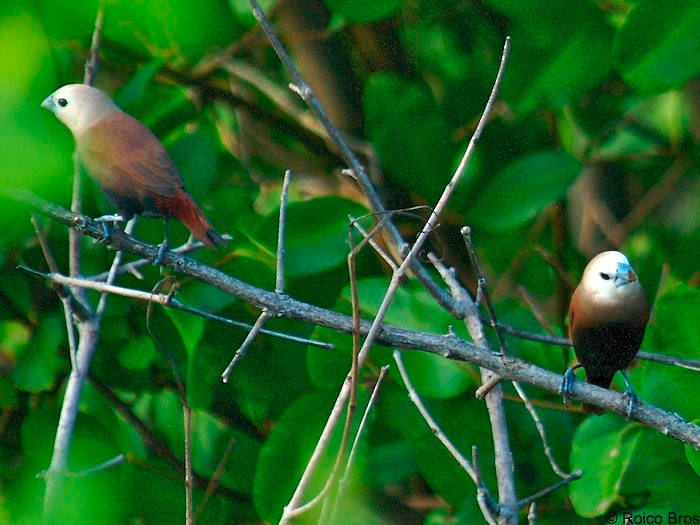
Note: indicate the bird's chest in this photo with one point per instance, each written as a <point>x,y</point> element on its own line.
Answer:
<point>618,342</point>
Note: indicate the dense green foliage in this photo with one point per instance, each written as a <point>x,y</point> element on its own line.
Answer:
<point>594,144</point>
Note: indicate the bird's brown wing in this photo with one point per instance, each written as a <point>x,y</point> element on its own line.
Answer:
<point>119,150</point>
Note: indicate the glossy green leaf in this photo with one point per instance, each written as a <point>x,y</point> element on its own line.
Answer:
<point>290,447</point>
<point>39,362</point>
<point>673,388</point>
<point>317,232</point>
<point>364,11</point>
<point>134,89</point>
<point>603,448</point>
<point>432,375</point>
<point>411,136</point>
<point>465,422</point>
<point>137,354</point>
<point>657,49</point>
<point>522,190</point>
<point>561,50</point>
<point>167,340</point>
<point>666,462</point>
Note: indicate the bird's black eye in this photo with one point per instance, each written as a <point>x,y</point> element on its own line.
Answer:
<point>604,276</point>
<point>62,102</point>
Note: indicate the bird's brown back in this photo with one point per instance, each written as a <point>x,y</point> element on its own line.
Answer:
<point>123,155</point>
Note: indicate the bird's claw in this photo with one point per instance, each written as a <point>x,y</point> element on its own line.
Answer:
<point>107,222</point>
<point>567,383</point>
<point>632,402</point>
<point>162,250</point>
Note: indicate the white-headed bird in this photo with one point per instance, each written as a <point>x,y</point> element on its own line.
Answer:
<point>607,318</point>
<point>128,162</point>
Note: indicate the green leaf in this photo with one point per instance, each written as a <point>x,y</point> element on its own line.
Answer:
<point>523,189</point>
<point>195,155</point>
<point>411,136</point>
<point>673,388</point>
<point>603,448</point>
<point>138,354</point>
<point>39,361</point>
<point>288,445</point>
<point>317,232</point>
<point>167,340</point>
<point>432,375</point>
<point>664,461</point>
<point>134,89</point>
<point>436,377</point>
<point>211,439</point>
<point>657,48</point>
<point>364,11</point>
<point>465,422</point>
<point>561,51</point>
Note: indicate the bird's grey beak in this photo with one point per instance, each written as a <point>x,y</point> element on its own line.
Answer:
<point>625,274</point>
<point>48,103</point>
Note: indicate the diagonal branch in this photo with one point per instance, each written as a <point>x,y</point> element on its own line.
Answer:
<point>448,346</point>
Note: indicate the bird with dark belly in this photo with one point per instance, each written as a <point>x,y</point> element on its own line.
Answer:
<point>128,162</point>
<point>607,318</point>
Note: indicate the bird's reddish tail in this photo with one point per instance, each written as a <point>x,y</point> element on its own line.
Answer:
<point>183,208</point>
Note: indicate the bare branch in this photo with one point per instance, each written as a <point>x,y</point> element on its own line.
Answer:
<point>133,267</point>
<point>448,346</point>
<point>116,460</point>
<point>353,451</point>
<point>112,274</point>
<point>530,500</point>
<point>240,353</point>
<point>483,286</point>
<point>463,462</point>
<point>187,424</point>
<point>170,302</point>
<point>279,276</point>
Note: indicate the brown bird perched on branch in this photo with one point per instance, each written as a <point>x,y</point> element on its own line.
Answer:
<point>607,318</point>
<point>128,162</point>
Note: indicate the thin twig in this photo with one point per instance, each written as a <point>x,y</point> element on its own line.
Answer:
<point>240,353</point>
<point>170,302</point>
<point>112,274</point>
<point>70,305</point>
<point>344,480</point>
<point>487,386</point>
<point>187,424</point>
<point>548,490</point>
<point>532,514</point>
<point>116,460</point>
<point>540,430</point>
<point>291,512</point>
<point>215,478</point>
<point>388,259</point>
<point>153,443</point>
<point>279,276</point>
<point>437,431</point>
<point>483,286</point>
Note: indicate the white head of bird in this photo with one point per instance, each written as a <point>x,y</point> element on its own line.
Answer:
<point>609,281</point>
<point>79,106</point>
